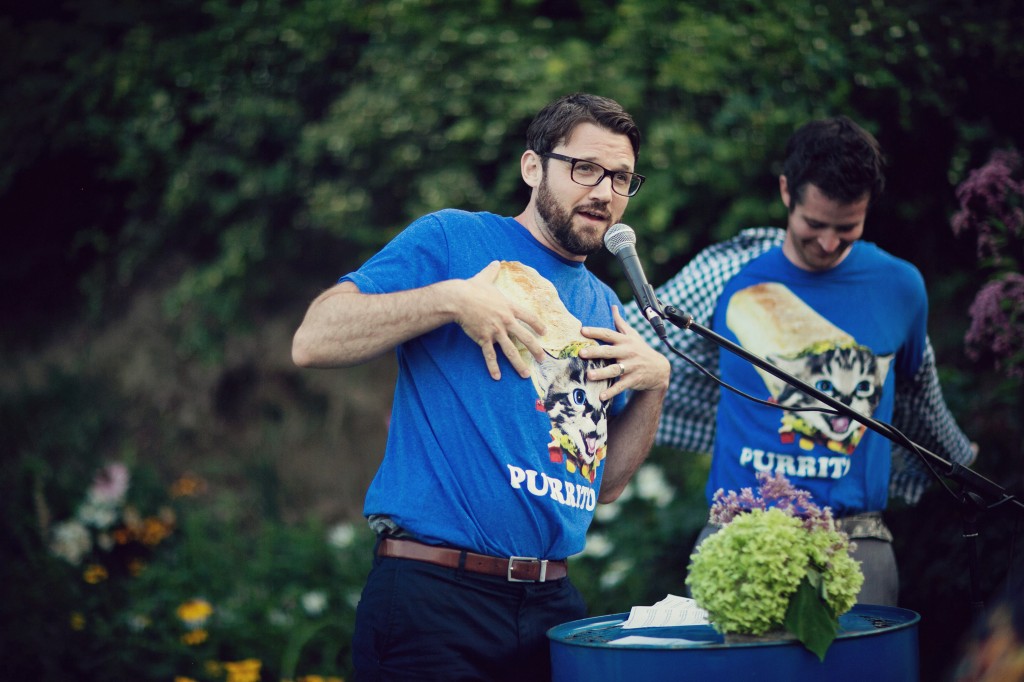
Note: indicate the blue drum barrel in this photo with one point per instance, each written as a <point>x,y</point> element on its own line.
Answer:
<point>874,644</point>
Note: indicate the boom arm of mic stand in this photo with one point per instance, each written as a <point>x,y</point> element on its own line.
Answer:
<point>967,477</point>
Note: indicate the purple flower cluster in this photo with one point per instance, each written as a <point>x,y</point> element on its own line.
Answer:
<point>997,323</point>
<point>773,491</point>
<point>991,204</point>
<point>992,207</point>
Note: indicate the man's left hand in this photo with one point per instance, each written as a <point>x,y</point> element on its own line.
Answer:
<point>629,359</point>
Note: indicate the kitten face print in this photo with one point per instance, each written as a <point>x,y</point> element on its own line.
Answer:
<point>579,418</point>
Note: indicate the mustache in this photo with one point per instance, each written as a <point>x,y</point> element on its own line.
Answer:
<point>600,210</point>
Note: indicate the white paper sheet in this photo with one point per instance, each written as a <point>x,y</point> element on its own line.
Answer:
<point>670,611</point>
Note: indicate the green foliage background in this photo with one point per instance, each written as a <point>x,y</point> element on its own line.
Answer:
<point>235,157</point>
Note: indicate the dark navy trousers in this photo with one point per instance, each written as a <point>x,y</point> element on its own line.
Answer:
<point>418,621</point>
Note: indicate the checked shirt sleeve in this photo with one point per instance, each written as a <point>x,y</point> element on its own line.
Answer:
<point>688,416</point>
<point>921,414</point>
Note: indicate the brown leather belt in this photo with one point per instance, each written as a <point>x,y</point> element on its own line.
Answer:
<point>517,569</point>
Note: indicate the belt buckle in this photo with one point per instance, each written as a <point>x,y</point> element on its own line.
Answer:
<point>543,569</point>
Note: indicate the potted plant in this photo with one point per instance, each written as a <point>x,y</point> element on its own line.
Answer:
<point>778,568</point>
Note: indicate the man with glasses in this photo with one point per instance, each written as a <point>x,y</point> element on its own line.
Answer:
<point>838,313</point>
<point>499,448</point>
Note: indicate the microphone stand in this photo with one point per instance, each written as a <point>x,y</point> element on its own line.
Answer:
<point>977,492</point>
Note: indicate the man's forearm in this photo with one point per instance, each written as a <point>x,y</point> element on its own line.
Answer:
<point>344,327</point>
<point>630,438</point>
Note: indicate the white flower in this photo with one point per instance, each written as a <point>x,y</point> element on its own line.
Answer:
<point>71,541</point>
<point>341,535</point>
<point>627,493</point>
<point>138,622</point>
<point>605,513</point>
<point>353,597</point>
<point>279,618</point>
<point>314,602</point>
<point>615,573</point>
<point>98,514</point>
<point>105,541</point>
<point>597,546</point>
<point>651,485</point>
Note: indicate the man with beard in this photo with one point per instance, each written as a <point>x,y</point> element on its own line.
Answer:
<point>475,508</point>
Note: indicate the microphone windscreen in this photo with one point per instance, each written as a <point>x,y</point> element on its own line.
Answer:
<point>618,236</point>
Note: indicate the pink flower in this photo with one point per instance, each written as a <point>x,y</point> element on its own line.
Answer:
<point>997,324</point>
<point>990,204</point>
<point>110,484</point>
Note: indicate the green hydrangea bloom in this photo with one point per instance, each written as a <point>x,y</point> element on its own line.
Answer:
<point>828,551</point>
<point>745,574</point>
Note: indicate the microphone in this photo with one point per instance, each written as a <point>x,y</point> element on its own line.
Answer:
<point>620,239</point>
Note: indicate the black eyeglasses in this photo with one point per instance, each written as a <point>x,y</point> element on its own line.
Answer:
<point>591,174</point>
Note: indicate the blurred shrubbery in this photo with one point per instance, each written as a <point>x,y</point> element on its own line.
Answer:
<point>144,582</point>
<point>123,577</point>
<point>113,569</point>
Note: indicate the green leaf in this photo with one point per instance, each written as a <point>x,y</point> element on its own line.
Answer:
<point>809,617</point>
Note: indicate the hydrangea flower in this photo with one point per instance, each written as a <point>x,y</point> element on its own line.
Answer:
<point>745,574</point>
<point>773,545</point>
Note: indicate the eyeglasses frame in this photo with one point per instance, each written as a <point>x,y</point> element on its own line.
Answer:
<point>605,174</point>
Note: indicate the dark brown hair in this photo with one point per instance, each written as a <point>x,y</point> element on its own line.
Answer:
<point>555,122</point>
<point>838,157</point>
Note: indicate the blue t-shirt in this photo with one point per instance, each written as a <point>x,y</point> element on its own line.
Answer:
<point>494,467</point>
<point>863,321</point>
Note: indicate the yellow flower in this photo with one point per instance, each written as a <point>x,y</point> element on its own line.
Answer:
<point>189,485</point>
<point>243,671</point>
<point>136,567</point>
<point>182,678</point>
<point>194,637</point>
<point>77,621</point>
<point>153,531</point>
<point>194,612</point>
<point>94,573</point>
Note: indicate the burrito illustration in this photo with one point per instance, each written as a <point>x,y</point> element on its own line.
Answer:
<point>772,322</point>
<point>525,286</point>
<point>579,418</point>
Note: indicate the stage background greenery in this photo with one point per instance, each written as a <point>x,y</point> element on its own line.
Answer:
<point>180,178</point>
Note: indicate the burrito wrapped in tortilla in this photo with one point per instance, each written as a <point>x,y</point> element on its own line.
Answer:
<point>525,286</point>
<point>770,320</point>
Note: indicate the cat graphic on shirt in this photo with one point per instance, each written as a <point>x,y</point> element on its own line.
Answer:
<point>851,374</point>
<point>579,418</point>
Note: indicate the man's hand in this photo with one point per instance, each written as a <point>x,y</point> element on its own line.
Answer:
<point>491,319</point>
<point>630,359</point>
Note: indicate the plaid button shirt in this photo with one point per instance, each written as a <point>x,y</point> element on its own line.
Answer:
<point>689,415</point>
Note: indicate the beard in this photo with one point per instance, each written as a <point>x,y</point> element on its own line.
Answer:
<point>815,258</point>
<point>559,223</point>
